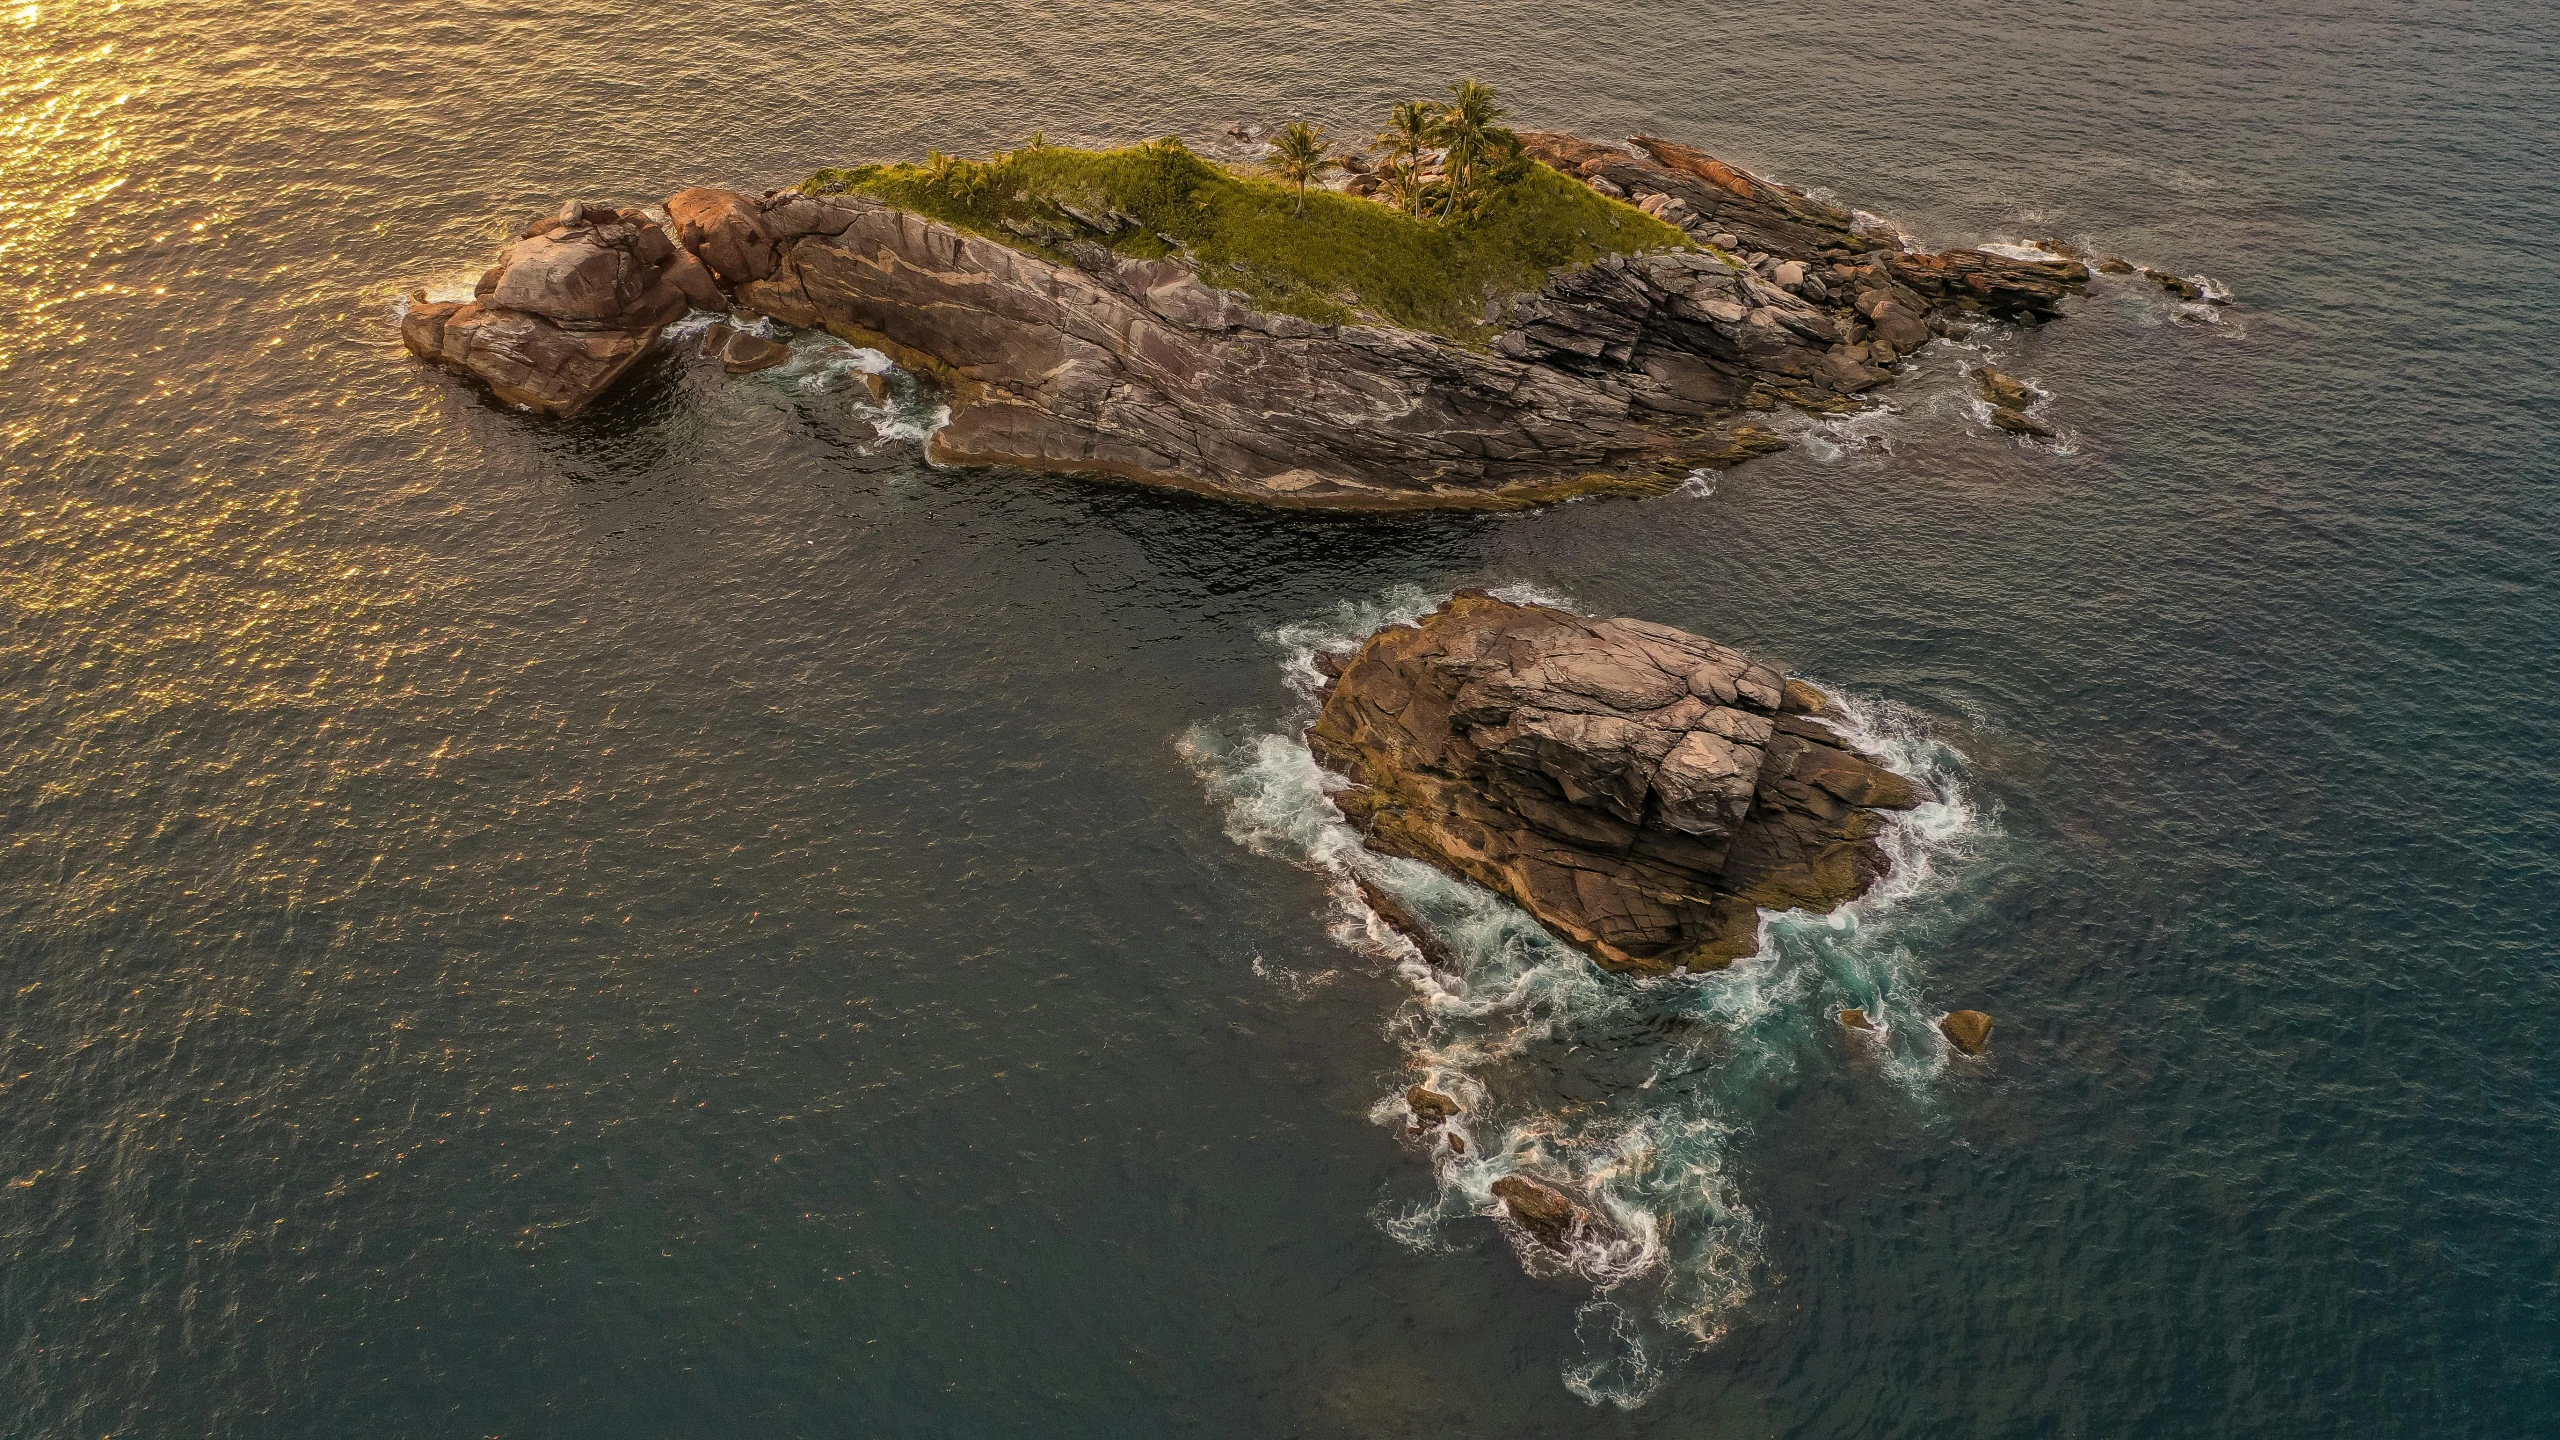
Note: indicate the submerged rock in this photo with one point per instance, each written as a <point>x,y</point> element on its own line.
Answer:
<point>2020,423</point>
<point>1404,922</point>
<point>1641,791</point>
<point>1548,1216</point>
<point>1967,1030</point>
<point>742,353</point>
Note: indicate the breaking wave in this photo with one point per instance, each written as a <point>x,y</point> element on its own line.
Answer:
<point>1637,1094</point>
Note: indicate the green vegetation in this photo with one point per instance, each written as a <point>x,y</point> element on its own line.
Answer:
<point>1343,259</point>
<point>1413,129</point>
<point>1298,157</point>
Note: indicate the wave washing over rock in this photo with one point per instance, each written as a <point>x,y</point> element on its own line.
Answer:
<point>1599,1119</point>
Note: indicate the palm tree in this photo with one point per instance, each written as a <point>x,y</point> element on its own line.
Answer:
<point>1466,123</point>
<point>1298,156</point>
<point>1412,127</point>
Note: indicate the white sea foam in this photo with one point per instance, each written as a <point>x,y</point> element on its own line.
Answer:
<point>1632,1094</point>
<point>2022,250</point>
<point>1864,434</point>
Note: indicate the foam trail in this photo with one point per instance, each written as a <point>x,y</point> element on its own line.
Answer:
<point>1636,1094</point>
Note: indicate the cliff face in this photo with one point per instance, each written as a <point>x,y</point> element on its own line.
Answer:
<point>1642,791</point>
<point>1136,368</point>
<point>1623,376</point>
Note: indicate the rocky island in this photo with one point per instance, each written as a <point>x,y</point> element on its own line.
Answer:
<point>1642,791</point>
<point>1486,323</point>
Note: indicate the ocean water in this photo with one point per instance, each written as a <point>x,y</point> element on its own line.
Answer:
<point>691,922</point>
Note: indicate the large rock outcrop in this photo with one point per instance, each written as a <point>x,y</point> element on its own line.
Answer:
<point>571,307</point>
<point>1641,791</point>
<point>1622,376</point>
<point>1137,368</point>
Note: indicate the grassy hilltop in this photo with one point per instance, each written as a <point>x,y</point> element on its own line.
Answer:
<point>1327,257</point>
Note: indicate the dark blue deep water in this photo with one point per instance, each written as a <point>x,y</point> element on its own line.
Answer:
<point>692,923</point>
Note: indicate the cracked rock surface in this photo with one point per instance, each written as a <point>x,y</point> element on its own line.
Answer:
<point>1643,792</point>
<point>1623,376</point>
<point>570,308</point>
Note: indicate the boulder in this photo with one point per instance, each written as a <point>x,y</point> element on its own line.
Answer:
<point>2178,285</point>
<point>2000,389</point>
<point>570,308</point>
<point>1856,1020</point>
<point>744,351</point>
<point>1548,1216</point>
<point>726,231</point>
<point>2019,423</point>
<point>1429,1107</point>
<point>1967,1030</point>
<point>1641,791</point>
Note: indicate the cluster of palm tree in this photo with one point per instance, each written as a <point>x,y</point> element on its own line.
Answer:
<point>1458,136</point>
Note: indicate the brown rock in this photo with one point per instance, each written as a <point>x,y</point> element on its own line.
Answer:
<point>2000,389</point>
<point>567,312</point>
<point>1457,1142</point>
<point>1635,788</point>
<point>1899,327</point>
<point>2017,423</point>
<point>1967,1030</point>
<point>1429,1107</point>
<point>2178,285</point>
<point>744,352</point>
<point>1802,698</point>
<point>878,385</point>
<point>726,231</point>
<point>1856,1020</point>
<point>1621,376</point>
<point>694,281</point>
<point>1404,922</point>
<point>1545,1213</point>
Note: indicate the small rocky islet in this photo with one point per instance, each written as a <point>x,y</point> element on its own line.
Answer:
<point>1643,792</point>
<point>1599,319</point>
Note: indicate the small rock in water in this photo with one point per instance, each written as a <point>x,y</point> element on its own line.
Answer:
<point>2115,265</point>
<point>2178,285</point>
<point>1429,1106</point>
<point>744,353</point>
<point>1967,1030</point>
<point>2018,424</point>
<point>878,385</point>
<point>1856,1020</point>
<point>1544,1213</point>
<point>2000,389</point>
<point>1457,1143</point>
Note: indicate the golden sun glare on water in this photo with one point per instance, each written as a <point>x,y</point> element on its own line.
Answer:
<point>157,579</point>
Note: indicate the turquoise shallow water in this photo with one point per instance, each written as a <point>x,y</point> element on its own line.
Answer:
<point>692,923</point>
